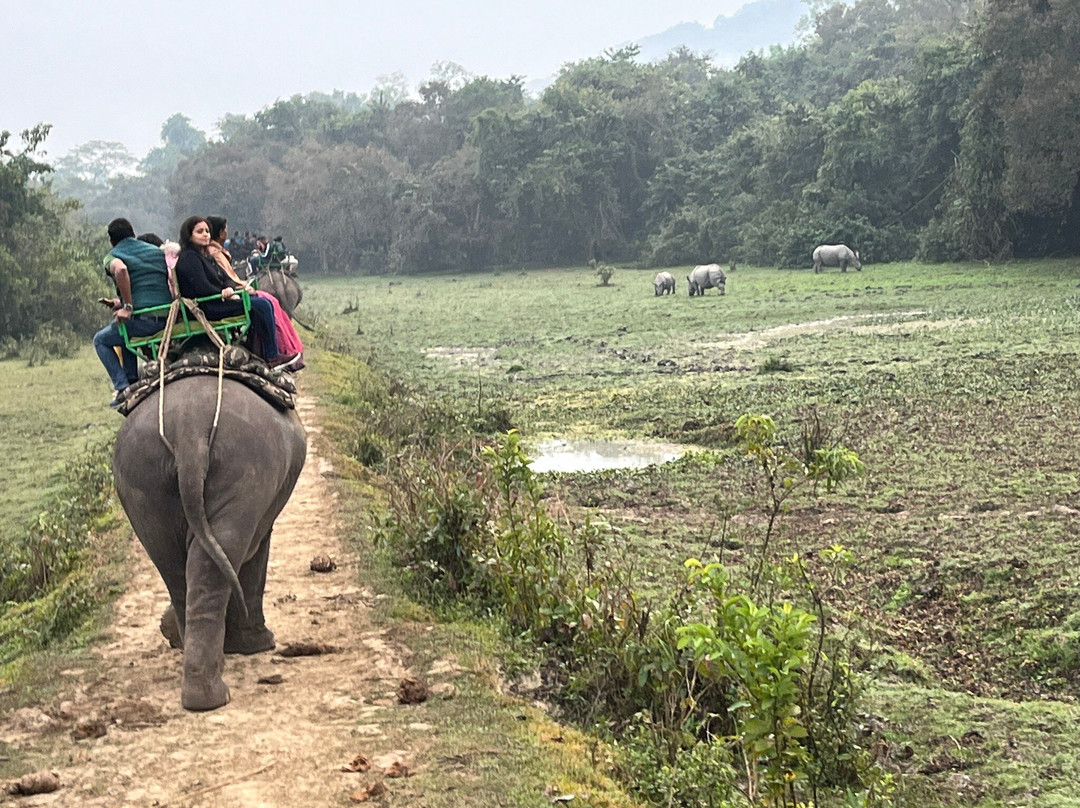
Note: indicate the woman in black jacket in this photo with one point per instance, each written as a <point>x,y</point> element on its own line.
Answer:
<point>198,275</point>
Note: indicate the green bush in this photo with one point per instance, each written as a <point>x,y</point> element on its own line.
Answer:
<point>47,585</point>
<point>776,364</point>
<point>53,340</point>
<point>438,525</point>
<point>59,536</point>
<point>605,272</point>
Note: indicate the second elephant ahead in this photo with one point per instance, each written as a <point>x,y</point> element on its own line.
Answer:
<point>706,276</point>
<point>283,286</point>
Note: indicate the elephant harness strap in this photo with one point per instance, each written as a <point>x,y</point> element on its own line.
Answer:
<point>241,365</point>
<point>170,322</point>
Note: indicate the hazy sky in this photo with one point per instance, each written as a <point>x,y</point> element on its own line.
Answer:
<point>116,70</point>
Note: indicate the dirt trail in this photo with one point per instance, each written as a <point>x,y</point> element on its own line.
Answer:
<point>274,744</point>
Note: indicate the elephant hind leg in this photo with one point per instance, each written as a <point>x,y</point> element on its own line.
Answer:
<point>249,634</point>
<point>204,633</point>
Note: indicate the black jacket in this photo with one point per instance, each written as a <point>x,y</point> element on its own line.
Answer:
<point>198,275</point>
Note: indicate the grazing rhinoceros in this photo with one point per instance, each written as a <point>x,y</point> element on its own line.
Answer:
<point>836,255</point>
<point>707,276</point>
<point>663,284</point>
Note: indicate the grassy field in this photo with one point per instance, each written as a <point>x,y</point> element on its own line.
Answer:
<point>48,416</point>
<point>956,385</point>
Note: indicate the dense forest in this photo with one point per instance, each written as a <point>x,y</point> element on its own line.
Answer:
<point>931,129</point>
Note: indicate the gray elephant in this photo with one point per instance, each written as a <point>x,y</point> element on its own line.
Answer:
<point>836,255</point>
<point>283,286</point>
<point>204,514</point>
<point>707,276</point>
<point>663,284</point>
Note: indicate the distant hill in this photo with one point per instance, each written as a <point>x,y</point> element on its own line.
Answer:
<point>756,25</point>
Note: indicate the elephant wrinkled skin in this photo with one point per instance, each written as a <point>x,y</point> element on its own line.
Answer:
<point>205,516</point>
<point>283,286</point>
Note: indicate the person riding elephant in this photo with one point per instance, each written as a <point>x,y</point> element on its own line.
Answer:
<point>276,253</point>
<point>203,503</point>
<point>198,275</point>
<point>141,277</point>
<point>288,341</point>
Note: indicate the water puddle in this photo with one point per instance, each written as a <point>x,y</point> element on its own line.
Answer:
<point>586,455</point>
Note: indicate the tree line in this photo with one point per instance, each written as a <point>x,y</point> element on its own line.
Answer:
<point>933,129</point>
<point>930,129</point>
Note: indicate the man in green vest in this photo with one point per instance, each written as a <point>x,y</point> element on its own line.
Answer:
<point>142,280</point>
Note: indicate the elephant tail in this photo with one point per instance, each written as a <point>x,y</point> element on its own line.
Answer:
<point>192,467</point>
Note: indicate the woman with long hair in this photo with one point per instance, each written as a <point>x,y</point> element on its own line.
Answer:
<point>288,340</point>
<point>198,275</point>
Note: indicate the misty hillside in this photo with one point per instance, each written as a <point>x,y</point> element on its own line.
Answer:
<point>759,24</point>
<point>756,25</point>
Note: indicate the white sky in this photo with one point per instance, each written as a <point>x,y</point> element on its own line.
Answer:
<point>116,70</point>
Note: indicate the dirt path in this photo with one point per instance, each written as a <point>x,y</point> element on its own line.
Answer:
<point>274,744</point>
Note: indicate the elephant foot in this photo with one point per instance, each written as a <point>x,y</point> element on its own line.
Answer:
<point>201,693</point>
<point>249,641</point>
<point>170,628</point>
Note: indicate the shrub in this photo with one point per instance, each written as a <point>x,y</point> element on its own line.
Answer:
<point>605,273</point>
<point>776,364</point>
<point>47,585</point>
<point>52,340</point>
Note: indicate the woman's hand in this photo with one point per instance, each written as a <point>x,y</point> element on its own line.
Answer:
<point>227,293</point>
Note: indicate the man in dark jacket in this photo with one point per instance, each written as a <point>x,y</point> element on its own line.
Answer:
<point>142,280</point>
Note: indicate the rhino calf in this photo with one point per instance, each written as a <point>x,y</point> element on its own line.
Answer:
<point>707,276</point>
<point>663,284</point>
<point>836,255</point>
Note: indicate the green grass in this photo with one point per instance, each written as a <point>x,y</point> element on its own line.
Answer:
<point>957,386</point>
<point>48,416</point>
<point>56,492</point>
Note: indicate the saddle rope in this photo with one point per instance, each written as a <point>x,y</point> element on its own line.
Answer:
<point>170,322</point>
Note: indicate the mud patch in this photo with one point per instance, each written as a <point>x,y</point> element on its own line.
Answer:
<point>754,340</point>
<point>462,356</point>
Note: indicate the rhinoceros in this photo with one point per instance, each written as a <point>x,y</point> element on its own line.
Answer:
<point>707,276</point>
<point>663,284</point>
<point>836,255</point>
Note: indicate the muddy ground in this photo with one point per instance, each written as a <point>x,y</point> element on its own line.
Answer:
<point>293,723</point>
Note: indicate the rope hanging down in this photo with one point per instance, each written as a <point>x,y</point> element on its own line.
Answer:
<point>170,322</point>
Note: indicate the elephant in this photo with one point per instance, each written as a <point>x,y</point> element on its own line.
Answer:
<point>836,255</point>
<point>283,286</point>
<point>663,283</point>
<point>707,276</point>
<point>204,513</point>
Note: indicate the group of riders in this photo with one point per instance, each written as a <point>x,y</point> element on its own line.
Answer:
<point>259,253</point>
<point>149,273</point>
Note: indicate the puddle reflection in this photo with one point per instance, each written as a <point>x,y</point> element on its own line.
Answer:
<point>583,455</point>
